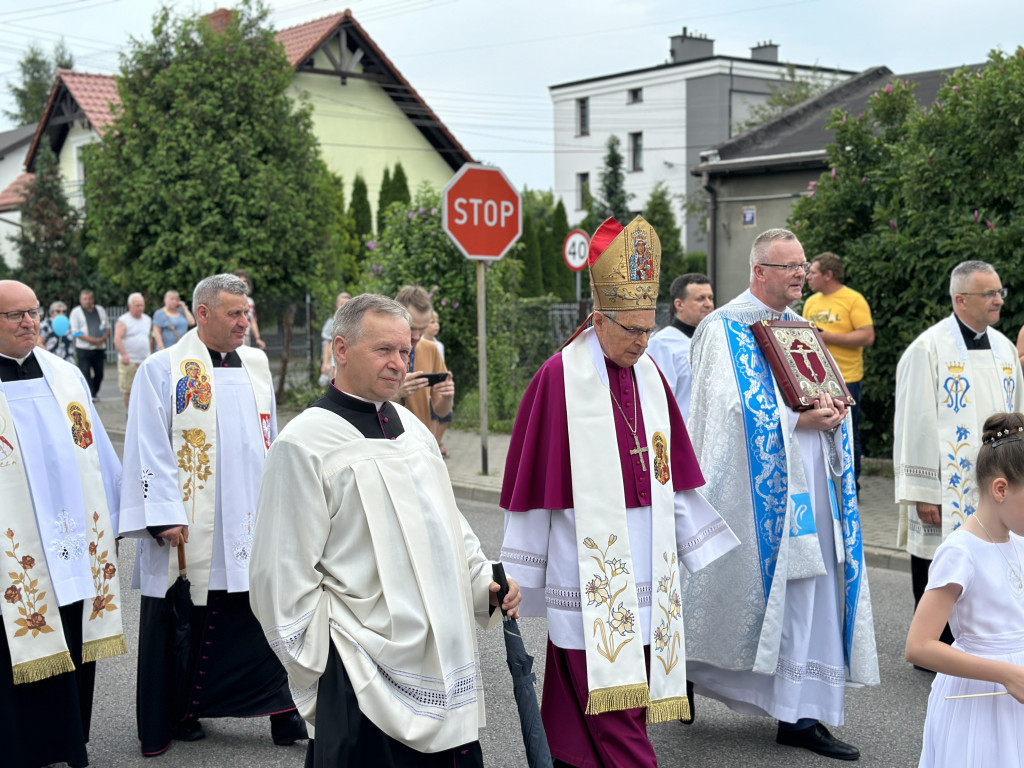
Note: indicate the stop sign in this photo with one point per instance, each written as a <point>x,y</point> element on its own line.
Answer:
<point>482,213</point>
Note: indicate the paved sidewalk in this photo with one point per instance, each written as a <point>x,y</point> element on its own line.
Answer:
<point>877,510</point>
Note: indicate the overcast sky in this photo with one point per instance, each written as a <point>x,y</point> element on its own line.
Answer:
<point>485,65</point>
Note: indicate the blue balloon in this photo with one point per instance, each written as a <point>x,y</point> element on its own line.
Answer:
<point>60,325</point>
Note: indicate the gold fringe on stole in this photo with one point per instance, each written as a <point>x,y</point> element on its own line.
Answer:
<point>664,710</point>
<point>39,669</point>
<point>104,648</point>
<point>618,697</point>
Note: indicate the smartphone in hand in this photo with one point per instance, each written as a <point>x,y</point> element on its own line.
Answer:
<point>435,378</point>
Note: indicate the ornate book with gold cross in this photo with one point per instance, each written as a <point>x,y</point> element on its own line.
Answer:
<point>800,362</point>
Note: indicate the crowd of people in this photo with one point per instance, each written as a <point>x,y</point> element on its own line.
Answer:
<point>688,478</point>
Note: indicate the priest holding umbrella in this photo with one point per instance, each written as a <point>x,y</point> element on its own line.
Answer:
<point>602,515</point>
<point>365,576</point>
<point>200,421</point>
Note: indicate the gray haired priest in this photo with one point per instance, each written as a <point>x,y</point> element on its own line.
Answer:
<point>200,422</point>
<point>781,626</point>
<point>602,518</point>
<point>365,576</point>
<point>59,481</point>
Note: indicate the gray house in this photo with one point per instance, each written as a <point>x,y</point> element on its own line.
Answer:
<point>753,179</point>
<point>664,115</point>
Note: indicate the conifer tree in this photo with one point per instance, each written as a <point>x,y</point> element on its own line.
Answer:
<point>359,208</point>
<point>400,185</point>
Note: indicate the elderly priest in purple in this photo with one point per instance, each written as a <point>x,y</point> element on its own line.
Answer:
<point>602,514</point>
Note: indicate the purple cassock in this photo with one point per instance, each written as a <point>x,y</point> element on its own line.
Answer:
<point>538,476</point>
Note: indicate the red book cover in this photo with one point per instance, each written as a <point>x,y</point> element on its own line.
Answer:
<point>800,362</point>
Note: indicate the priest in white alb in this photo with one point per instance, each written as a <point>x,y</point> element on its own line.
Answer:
<point>365,576</point>
<point>62,606</point>
<point>602,518</point>
<point>200,421</point>
<point>784,625</point>
<point>949,380</point>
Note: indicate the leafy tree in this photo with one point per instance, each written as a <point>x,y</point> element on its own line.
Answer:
<point>37,75</point>
<point>400,185</point>
<point>788,92</point>
<point>912,192</point>
<point>49,241</point>
<point>359,208</point>
<point>659,214</point>
<point>384,198</point>
<point>210,165</point>
<point>614,198</point>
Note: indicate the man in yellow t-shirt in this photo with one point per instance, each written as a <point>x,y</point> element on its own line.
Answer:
<point>844,319</point>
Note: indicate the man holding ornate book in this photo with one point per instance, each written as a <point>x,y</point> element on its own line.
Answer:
<point>782,625</point>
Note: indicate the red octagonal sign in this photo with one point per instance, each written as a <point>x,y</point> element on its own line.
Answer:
<point>482,212</point>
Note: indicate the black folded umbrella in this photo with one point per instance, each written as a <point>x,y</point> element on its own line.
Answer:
<point>178,607</point>
<point>520,664</point>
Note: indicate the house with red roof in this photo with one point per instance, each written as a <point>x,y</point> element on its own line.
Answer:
<point>366,115</point>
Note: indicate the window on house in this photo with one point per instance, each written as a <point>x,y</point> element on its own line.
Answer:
<point>636,151</point>
<point>583,117</point>
<point>636,95</point>
<point>582,190</point>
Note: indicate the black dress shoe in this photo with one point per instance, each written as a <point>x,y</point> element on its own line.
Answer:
<point>188,730</point>
<point>287,727</point>
<point>820,741</point>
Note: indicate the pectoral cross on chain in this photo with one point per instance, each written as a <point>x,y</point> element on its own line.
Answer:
<point>639,451</point>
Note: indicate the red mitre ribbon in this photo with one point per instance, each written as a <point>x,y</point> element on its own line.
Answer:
<point>602,238</point>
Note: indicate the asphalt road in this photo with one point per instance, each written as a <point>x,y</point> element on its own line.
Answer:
<point>884,722</point>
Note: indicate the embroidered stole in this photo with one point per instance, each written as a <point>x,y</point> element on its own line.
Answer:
<point>787,535</point>
<point>31,617</point>
<point>616,674</point>
<point>194,440</point>
<point>960,423</point>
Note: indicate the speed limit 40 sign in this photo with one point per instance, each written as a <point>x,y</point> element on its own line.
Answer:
<point>575,249</point>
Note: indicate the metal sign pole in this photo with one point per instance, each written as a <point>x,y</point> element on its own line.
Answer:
<point>578,294</point>
<point>481,335</point>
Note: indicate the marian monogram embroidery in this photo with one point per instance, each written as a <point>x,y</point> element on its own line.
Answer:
<point>81,428</point>
<point>661,470</point>
<point>956,386</point>
<point>1009,386</point>
<point>599,592</point>
<point>195,460</point>
<point>193,388</point>
<point>666,640</point>
<point>69,545</point>
<point>24,590</point>
<point>102,573</point>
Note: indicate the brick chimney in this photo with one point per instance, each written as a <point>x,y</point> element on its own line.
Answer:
<point>687,47</point>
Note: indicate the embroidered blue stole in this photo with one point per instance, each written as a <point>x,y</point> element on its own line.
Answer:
<point>770,490</point>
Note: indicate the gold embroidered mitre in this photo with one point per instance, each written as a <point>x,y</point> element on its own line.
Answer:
<point>624,265</point>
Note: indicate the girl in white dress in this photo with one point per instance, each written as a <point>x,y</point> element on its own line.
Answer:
<point>976,583</point>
